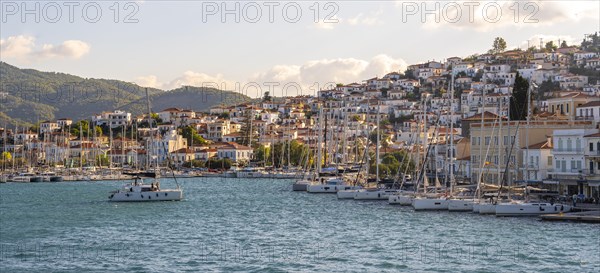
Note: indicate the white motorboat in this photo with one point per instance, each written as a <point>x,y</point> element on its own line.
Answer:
<point>530,209</point>
<point>252,173</point>
<point>26,177</point>
<point>424,203</point>
<point>137,191</point>
<point>461,204</point>
<point>332,185</point>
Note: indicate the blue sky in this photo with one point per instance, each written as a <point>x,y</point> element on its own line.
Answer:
<point>168,44</point>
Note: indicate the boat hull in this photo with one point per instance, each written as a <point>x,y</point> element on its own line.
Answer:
<point>530,209</point>
<point>36,179</point>
<point>346,194</point>
<point>301,185</point>
<point>56,179</point>
<point>430,204</point>
<point>402,200</point>
<point>324,188</point>
<point>149,196</point>
<point>487,208</point>
<point>373,195</point>
<point>21,179</point>
<point>461,204</point>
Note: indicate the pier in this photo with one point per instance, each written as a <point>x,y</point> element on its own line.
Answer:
<point>585,214</point>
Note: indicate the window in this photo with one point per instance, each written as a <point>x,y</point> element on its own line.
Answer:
<point>487,140</point>
<point>569,144</point>
<point>579,165</point>
<point>573,164</point>
<point>578,144</point>
<point>591,147</point>
<point>549,161</point>
<point>560,144</point>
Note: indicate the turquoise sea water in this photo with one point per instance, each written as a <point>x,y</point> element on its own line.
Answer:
<point>261,225</point>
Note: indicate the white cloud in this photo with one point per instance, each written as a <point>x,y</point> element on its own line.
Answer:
<point>16,46</point>
<point>69,49</point>
<point>148,81</point>
<point>330,24</point>
<point>368,20</point>
<point>23,47</point>
<point>289,80</point>
<point>484,16</point>
<point>320,74</point>
<point>189,78</point>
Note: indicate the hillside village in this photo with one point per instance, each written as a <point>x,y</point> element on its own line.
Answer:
<point>484,125</point>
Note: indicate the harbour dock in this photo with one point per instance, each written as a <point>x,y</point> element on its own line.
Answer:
<point>587,216</point>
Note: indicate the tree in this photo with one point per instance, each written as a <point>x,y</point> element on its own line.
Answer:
<point>410,74</point>
<point>224,115</point>
<point>193,164</point>
<point>550,46</point>
<point>267,96</point>
<point>384,92</point>
<point>224,163</point>
<point>547,86</point>
<point>518,101</point>
<point>247,135</point>
<point>563,44</point>
<point>75,127</point>
<point>192,136</point>
<point>6,156</point>
<point>499,45</point>
<point>263,154</point>
<point>102,160</point>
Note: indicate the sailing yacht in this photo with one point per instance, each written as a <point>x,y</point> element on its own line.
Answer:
<point>530,208</point>
<point>137,191</point>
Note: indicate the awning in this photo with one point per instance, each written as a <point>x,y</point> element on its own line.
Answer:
<point>594,183</point>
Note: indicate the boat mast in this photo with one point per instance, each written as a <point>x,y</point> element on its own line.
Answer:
<point>499,142</point>
<point>151,132</point>
<point>452,133</point>
<point>377,146</point>
<point>527,131</point>
<point>481,159</point>
<point>319,139</point>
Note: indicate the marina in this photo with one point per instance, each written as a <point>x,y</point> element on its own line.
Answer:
<point>269,227</point>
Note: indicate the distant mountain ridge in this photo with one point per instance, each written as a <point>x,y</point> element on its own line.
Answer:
<point>28,96</point>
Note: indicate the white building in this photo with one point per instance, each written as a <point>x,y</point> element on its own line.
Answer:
<point>537,160</point>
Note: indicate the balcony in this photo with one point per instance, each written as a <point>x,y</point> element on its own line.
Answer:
<point>565,171</point>
<point>567,151</point>
<point>531,167</point>
<point>592,153</point>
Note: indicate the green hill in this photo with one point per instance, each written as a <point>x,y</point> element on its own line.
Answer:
<point>28,96</point>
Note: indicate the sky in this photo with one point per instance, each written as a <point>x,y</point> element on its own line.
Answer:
<point>288,48</point>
